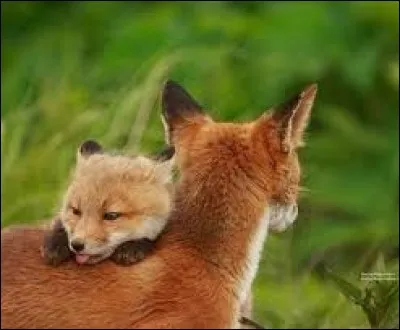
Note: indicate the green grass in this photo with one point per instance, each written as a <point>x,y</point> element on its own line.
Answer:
<point>82,70</point>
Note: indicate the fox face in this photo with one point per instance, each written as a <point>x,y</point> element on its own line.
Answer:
<point>113,199</point>
<point>258,159</point>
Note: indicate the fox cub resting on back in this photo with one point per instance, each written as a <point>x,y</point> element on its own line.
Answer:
<point>118,215</point>
<point>115,207</point>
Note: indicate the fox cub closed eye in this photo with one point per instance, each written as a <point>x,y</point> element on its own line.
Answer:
<point>76,211</point>
<point>111,216</point>
<point>106,215</point>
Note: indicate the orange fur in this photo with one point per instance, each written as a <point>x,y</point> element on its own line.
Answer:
<point>204,263</point>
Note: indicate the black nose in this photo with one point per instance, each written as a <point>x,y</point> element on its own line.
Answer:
<point>77,245</point>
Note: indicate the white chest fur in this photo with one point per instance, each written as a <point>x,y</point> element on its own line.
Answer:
<point>255,247</point>
<point>276,217</point>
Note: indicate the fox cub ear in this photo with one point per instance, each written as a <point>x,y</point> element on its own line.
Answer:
<point>178,108</point>
<point>88,148</point>
<point>165,154</point>
<point>165,161</point>
<point>164,170</point>
<point>292,117</point>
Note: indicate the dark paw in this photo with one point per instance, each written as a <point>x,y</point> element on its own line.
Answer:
<point>131,252</point>
<point>55,249</point>
<point>56,256</point>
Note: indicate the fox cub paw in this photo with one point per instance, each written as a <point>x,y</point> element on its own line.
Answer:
<point>131,252</point>
<point>55,249</point>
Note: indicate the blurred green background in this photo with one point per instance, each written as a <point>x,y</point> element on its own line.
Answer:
<point>77,70</point>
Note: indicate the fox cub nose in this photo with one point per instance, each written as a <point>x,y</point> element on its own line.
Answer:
<point>77,245</point>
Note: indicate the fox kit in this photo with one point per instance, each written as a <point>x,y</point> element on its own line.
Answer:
<point>135,191</point>
<point>237,181</point>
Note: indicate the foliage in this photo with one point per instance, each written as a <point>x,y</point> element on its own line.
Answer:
<point>77,70</point>
<point>379,299</point>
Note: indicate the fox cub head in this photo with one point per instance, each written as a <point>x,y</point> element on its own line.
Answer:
<point>112,199</point>
<point>248,165</point>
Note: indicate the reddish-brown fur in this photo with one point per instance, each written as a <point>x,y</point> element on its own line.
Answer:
<point>194,278</point>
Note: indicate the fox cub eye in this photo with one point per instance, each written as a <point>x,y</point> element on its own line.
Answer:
<point>76,211</point>
<point>111,215</point>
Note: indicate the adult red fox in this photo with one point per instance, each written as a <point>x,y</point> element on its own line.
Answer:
<point>237,180</point>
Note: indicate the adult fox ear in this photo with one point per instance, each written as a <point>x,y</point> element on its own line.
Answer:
<point>88,148</point>
<point>178,110</point>
<point>292,117</point>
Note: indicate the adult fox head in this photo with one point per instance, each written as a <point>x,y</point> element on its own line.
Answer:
<point>258,158</point>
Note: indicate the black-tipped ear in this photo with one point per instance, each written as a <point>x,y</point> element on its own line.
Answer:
<point>177,107</point>
<point>176,101</point>
<point>293,116</point>
<point>89,147</point>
